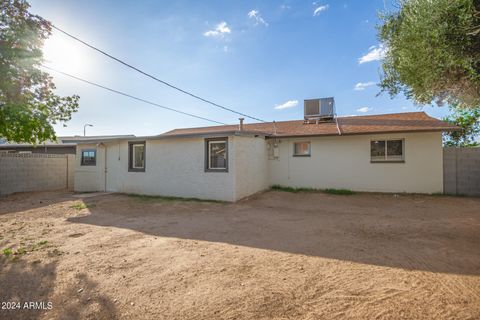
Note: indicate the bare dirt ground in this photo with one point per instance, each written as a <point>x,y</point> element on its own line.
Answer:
<point>277,255</point>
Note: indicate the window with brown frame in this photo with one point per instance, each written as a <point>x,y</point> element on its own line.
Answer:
<point>387,150</point>
<point>301,149</point>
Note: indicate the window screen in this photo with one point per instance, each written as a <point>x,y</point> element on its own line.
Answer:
<point>89,158</point>
<point>136,156</point>
<point>301,149</point>
<point>216,155</point>
<point>377,150</point>
<point>387,150</point>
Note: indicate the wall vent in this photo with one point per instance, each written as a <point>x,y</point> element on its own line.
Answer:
<point>322,109</point>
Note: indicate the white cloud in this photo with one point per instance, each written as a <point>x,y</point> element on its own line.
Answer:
<point>363,85</point>
<point>317,11</point>
<point>286,105</point>
<point>255,14</point>
<point>225,48</point>
<point>219,32</point>
<point>374,53</point>
<point>285,7</point>
<point>364,109</point>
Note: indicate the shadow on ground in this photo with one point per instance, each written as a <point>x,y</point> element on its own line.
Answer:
<point>19,202</point>
<point>438,234</point>
<point>27,291</point>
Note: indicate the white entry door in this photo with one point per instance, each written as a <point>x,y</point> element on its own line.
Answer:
<point>113,168</point>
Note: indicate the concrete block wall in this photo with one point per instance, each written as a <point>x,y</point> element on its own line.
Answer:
<point>461,171</point>
<point>35,172</point>
<point>70,171</point>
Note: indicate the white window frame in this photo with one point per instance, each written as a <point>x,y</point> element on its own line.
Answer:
<point>210,158</point>
<point>303,155</point>
<point>133,155</point>
<point>132,146</point>
<point>386,159</point>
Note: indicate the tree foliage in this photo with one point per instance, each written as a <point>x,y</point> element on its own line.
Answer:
<point>433,51</point>
<point>468,119</point>
<point>28,105</point>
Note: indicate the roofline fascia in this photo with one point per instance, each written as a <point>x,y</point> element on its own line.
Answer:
<point>359,133</point>
<point>182,136</point>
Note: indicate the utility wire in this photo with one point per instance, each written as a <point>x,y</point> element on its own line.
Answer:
<point>130,96</point>
<point>155,78</point>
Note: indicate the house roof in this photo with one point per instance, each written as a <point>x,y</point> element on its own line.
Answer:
<point>384,123</point>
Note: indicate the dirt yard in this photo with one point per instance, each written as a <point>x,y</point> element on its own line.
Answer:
<point>277,255</point>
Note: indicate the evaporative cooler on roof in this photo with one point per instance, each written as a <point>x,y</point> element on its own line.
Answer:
<point>319,109</point>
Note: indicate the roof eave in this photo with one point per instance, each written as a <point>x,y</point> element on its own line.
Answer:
<point>183,136</point>
<point>361,133</point>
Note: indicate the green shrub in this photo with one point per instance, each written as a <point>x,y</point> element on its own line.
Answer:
<point>143,197</point>
<point>79,206</point>
<point>292,189</point>
<point>339,191</point>
<point>296,190</point>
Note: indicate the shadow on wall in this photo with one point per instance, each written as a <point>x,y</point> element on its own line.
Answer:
<point>26,282</point>
<point>411,232</point>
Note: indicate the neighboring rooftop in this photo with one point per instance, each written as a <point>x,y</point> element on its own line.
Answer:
<point>75,139</point>
<point>383,123</point>
<point>65,141</point>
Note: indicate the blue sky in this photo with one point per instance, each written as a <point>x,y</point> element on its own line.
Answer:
<point>262,58</point>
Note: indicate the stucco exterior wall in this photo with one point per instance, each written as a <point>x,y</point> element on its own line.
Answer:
<point>90,178</point>
<point>344,162</point>
<point>251,174</point>
<point>174,167</point>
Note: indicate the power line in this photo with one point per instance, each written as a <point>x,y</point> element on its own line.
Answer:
<point>130,96</point>
<point>155,78</point>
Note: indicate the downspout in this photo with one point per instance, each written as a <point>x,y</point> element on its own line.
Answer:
<point>338,126</point>
<point>275,141</point>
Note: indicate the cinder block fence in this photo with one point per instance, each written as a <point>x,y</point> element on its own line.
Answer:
<point>35,172</point>
<point>461,171</point>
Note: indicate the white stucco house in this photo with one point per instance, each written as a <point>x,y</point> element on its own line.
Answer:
<point>382,153</point>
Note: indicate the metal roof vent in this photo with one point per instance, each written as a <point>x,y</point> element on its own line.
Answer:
<point>319,109</point>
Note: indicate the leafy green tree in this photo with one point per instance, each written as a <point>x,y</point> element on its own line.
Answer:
<point>433,51</point>
<point>468,119</point>
<point>28,105</point>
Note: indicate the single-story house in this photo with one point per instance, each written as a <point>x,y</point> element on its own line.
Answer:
<point>399,152</point>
